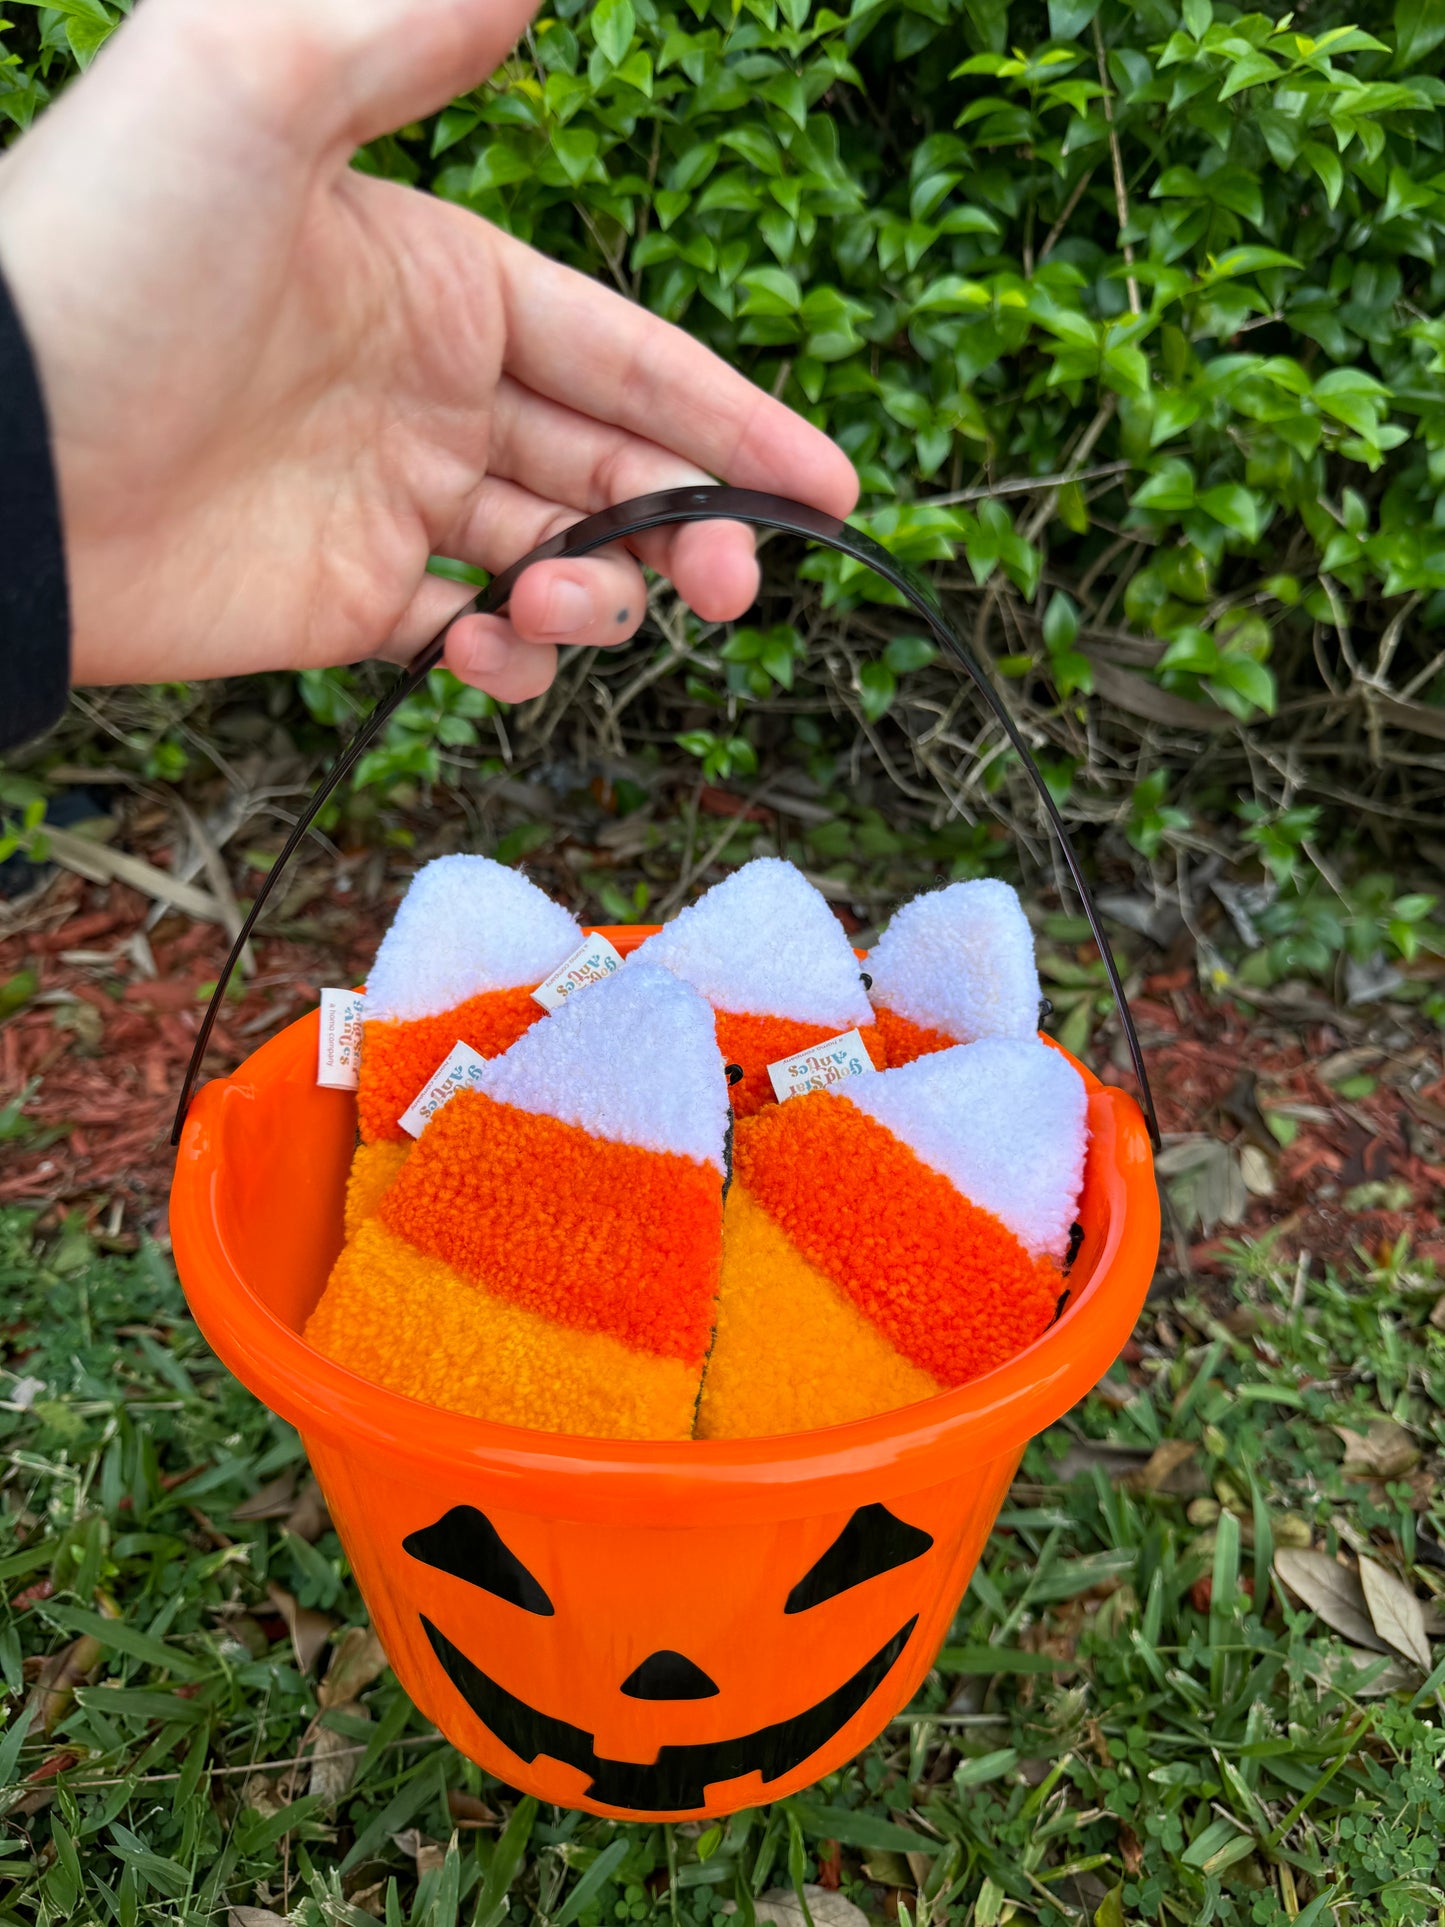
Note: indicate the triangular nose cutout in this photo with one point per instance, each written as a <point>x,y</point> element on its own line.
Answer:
<point>668,1676</point>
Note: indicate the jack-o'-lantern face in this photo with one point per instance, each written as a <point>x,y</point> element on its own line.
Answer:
<point>466,1546</point>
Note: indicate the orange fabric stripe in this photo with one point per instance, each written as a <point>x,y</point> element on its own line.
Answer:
<point>398,1058</point>
<point>594,1235</point>
<point>373,1171</point>
<point>903,1040</point>
<point>792,1351</point>
<point>401,1319</point>
<point>946,1283</point>
<point>755,1042</point>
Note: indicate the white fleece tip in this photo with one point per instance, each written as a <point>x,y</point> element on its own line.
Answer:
<point>633,1058</point>
<point>764,942</point>
<point>960,960</point>
<point>465,925</point>
<point>1003,1120</point>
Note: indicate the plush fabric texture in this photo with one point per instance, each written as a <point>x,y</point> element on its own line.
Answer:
<point>632,1058</point>
<point>374,1170</point>
<point>752,1043</point>
<point>948,1285</point>
<point>957,964</point>
<point>470,941</point>
<point>1004,1121</point>
<point>466,924</point>
<point>866,1260</point>
<point>407,1321</point>
<point>397,1059</point>
<point>591,1234</point>
<point>775,964</point>
<point>548,1254</point>
<point>764,941</point>
<point>793,1353</point>
<point>902,1040</point>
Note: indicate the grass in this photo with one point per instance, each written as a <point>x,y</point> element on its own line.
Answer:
<point>1133,1718</point>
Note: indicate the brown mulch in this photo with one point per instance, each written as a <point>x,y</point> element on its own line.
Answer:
<point>1360,1172</point>
<point>102,1046</point>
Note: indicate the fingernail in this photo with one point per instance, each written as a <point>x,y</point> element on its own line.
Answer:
<point>568,607</point>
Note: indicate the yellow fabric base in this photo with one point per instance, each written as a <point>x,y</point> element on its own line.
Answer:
<point>407,1321</point>
<point>374,1170</point>
<point>791,1353</point>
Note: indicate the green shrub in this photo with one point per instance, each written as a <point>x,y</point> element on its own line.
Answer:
<point>1182,260</point>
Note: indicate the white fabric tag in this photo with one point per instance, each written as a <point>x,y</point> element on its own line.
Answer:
<point>592,960</point>
<point>461,1070</point>
<point>821,1065</point>
<point>338,1051</point>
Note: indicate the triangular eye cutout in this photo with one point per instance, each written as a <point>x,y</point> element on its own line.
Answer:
<point>873,1541</point>
<point>465,1543</point>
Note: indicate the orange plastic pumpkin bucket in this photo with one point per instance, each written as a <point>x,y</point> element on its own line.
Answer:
<point>669,1630</point>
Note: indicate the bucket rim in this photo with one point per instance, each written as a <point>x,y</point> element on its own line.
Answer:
<point>995,1413</point>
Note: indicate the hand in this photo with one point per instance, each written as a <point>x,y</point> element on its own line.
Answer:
<point>278,386</point>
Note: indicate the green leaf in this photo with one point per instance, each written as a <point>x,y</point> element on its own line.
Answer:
<point>1252,680</point>
<point>1170,489</point>
<point>877,686</point>
<point>1061,623</point>
<point>1192,649</point>
<point>592,1881</point>
<point>1256,69</point>
<point>506,1863</point>
<point>1419,30</point>
<point>1235,507</point>
<point>613,23</point>
<point>986,1767</point>
<point>905,654</point>
<point>860,1829</point>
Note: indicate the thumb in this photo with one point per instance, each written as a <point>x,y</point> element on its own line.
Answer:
<point>393,61</point>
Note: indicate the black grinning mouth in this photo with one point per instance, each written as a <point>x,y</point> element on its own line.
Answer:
<point>681,1775</point>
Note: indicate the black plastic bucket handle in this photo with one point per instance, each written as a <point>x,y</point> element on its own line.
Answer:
<point>671,506</point>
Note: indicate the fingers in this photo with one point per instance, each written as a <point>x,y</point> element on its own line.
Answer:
<point>407,58</point>
<point>562,456</point>
<point>578,343</point>
<point>589,603</point>
<point>486,652</point>
<point>357,68</point>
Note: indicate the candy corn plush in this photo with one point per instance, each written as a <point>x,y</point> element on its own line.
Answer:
<point>548,1255</point>
<point>955,965</point>
<point>774,962</point>
<point>893,1237</point>
<point>470,942</point>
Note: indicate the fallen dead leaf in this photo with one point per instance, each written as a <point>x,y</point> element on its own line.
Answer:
<point>1257,1171</point>
<point>1396,1613</point>
<point>428,1854</point>
<point>1384,1450</point>
<point>1164,1464</point>
<point>308,1517</point>
<point>468,1811</point>
<point>357,1661</point>
<point>371,1900</point>
<point>780,1905</point>
<point>1391,1678</point>
<point>58,1678</point>
<point>273,1501</point>
<point>334,1760</point>
<point>1331,1591</point>
<point>254,1917</point>
<point>258,1795</point>
<point>309,1630</point>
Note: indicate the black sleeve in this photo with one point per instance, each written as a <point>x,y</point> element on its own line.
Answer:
<point>34,602</point>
